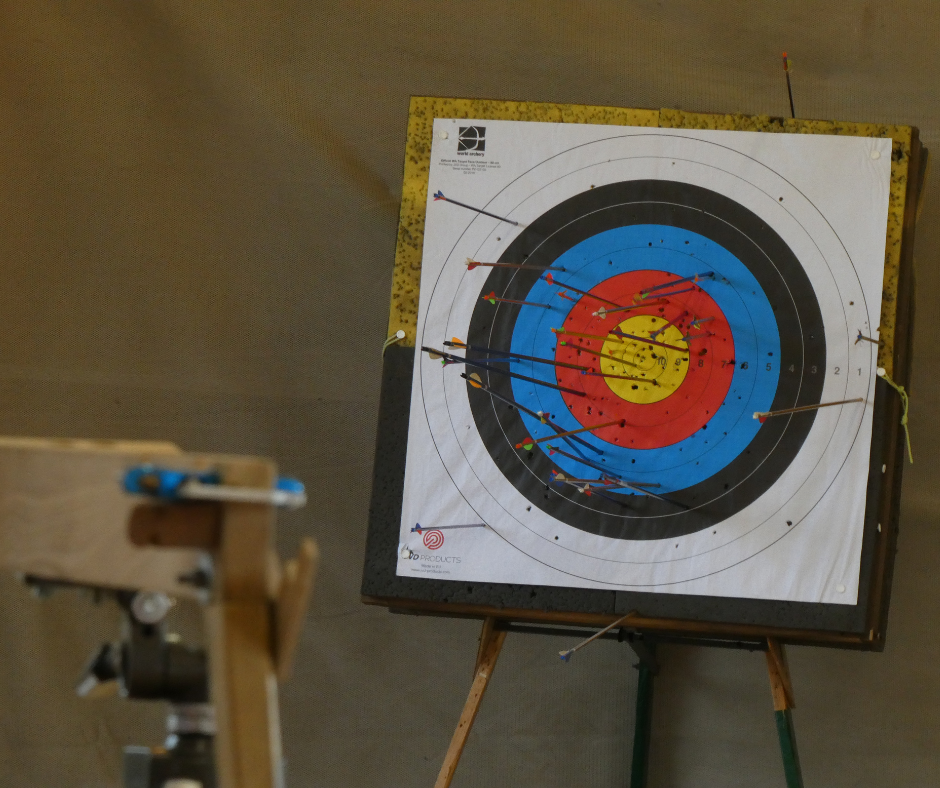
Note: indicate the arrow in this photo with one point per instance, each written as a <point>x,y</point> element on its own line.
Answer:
<point>602,312</point>
<point>458,360</point>
<point>694,278</point>
<point>471,264</point>
<point>535,414</point>
<point>550,279</point>
<point>528,443</point>
<point>440,196</point>
<point>763,416</point>
<point>493,298</point>
<point>481,349</point>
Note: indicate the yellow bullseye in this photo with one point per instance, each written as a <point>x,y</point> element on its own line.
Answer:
<point>666,367</point>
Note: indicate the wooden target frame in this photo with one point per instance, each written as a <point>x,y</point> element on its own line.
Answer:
<point>861,625</point>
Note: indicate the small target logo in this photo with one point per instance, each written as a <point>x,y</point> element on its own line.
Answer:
<point>433,539</point>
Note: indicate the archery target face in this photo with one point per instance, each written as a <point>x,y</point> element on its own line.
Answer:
<point>660,288</point>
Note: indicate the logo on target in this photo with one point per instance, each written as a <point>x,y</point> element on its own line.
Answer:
<point>432,538</point>
<point>471,138</point>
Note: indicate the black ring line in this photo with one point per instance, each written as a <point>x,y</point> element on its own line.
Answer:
<point>741,233</point>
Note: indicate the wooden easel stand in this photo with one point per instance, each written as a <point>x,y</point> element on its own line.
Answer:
<point>491,643</point>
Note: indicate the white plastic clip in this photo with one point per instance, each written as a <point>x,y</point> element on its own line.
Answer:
<point>398,336</point>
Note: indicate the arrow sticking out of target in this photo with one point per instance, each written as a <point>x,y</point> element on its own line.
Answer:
<point>439,195</point>
<point>602,355</point>
<point>551,280</point>
<point>763,416</point>
<point>615,332</point>
<point>566,655</point>
<point>482,349</point>
<point>670,293</point>
<point>471,264</point>
<point>610,483</point>
<point>528,443</point>
<point>432,353</point>
<point>603,312</point>
<point>418,529</point>
<point>668,323</point>
<point>694,278</point>
<point>493,298</point>
<point>477,382</point>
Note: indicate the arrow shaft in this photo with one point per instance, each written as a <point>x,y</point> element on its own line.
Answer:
<point>514,301</point>
<point>693,278</point>
<point>601,355</point>
<point>575,432</point>
<point>648,341</point>
<point>802,408</point>
<point>540,417</point>
<point>668,323</point>
<point>458,360</point>
<point>628,308</point>
<point>583,292</point>
<point>478,210</point>
<point>480,349</point>
<point>476,263</point>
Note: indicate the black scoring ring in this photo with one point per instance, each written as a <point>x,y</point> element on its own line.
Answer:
<point>802,347</point>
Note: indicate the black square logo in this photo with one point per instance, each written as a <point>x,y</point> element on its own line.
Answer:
<point>472,138</point>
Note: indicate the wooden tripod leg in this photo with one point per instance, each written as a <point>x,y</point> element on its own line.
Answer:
<point>491,642</point>
<point>782,690</point>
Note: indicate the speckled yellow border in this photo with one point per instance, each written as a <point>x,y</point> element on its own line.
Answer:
<point>403,313</point>
<point>407,277</point>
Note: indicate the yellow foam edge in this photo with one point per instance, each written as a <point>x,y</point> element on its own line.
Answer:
<point>406,279</point>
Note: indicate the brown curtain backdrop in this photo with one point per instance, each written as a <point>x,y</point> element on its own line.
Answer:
<point>198,208</point>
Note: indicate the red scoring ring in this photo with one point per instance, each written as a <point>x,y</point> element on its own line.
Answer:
<point>690,406</point>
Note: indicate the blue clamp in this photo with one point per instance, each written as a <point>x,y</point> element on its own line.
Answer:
<point>173,485</point>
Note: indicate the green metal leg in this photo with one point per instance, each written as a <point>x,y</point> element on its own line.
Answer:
<point>791,758</point>
<point>641,733</point>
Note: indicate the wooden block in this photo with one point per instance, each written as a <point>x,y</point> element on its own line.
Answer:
<point>244,571</point>
<point>197,525</point>
<point>87,445</point>
<point>293,601</point>
<point>241,635</point>
<point>64,516</point>
<point>243,689</point>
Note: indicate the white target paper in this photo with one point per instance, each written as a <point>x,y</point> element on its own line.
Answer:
<point>463,518</point>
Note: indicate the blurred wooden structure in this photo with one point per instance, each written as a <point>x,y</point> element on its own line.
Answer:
<point>64,517</point>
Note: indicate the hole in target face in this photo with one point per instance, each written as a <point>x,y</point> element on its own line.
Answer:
<point>662,352</point>
<point>665,389</point>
